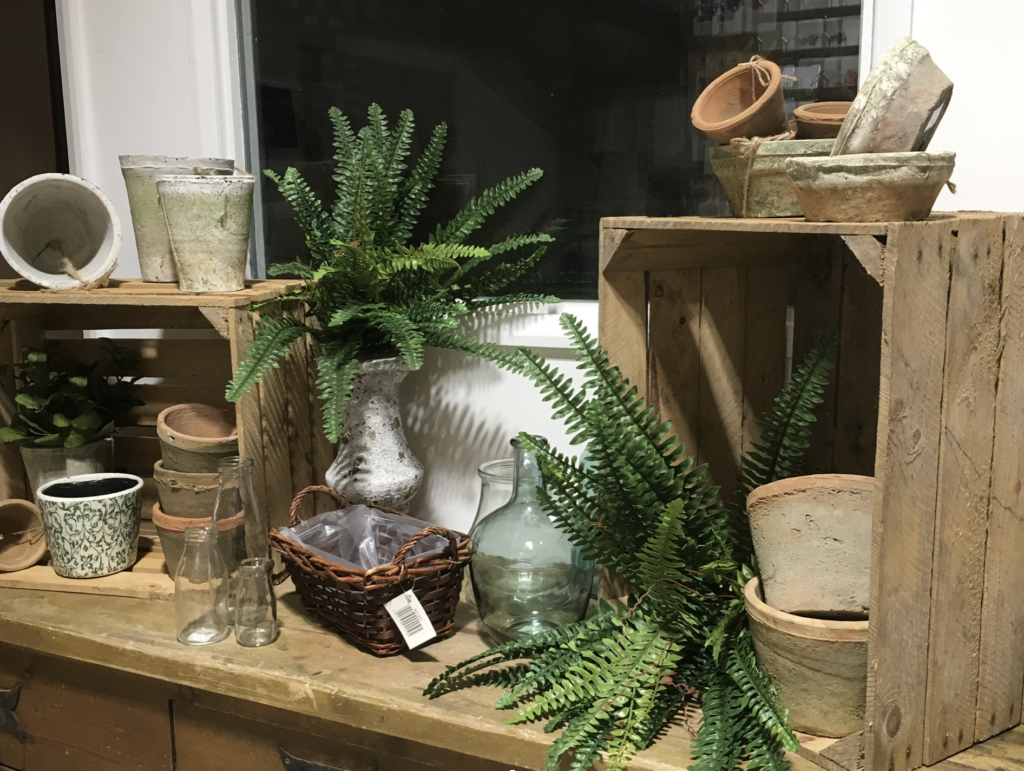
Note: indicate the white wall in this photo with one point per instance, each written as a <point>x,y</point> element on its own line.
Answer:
<point>975,44</point>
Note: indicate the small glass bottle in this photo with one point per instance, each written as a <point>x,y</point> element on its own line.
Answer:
<point>237,502</point>
<point>201,589</point>
<point>527,575</point>
<point>255,604</point>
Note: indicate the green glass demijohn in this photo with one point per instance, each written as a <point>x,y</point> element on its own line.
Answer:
<point>527,575</point>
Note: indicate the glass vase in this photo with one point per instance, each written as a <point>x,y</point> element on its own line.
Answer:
<point>201,613</point>
<point>527,575</point>
<point>255,604</point>
<point>236,496</point>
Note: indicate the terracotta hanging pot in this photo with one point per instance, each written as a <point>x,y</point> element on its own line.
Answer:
<point>194,437</point>
<point>22,539</point>
<point>821,120</point>
<point>746,101</point>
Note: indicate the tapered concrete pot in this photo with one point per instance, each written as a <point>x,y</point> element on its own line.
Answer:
<point>208,221</point>
<point>194,437</point>
<point>374,463</point>
<point>44,464</point>
<point>140,173</point>
<point>820,666</point>
<point>739,104</point>
<point>812,537</point>
<point>59,232</point>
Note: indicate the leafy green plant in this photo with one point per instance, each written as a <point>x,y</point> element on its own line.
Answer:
<point>612,682</point>
<point>67,406</point>
<point>371,292</point>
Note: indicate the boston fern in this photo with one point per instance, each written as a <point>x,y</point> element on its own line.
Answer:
<point>612,683</point>
<point>370,292</point>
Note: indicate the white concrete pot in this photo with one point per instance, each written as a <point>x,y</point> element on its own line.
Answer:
<point>44,464</point>
<point>140,173</point>
<point>812,537</point>
<point>374,463</point>
<point>208,220</point>
<point>820,666</point>
<point>50,217</point>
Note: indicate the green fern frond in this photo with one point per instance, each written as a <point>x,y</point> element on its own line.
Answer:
<point>307,211</point>
<point>483,206</point>
<point>274,336</point>
<point>402,333</point>
<point>420,182</point>
<point>512,243</point>
<point>337,368</point>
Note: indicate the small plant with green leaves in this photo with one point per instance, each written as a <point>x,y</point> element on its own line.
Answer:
<point>370,291</point>
<point>640,506</point>
<point>60,405</point>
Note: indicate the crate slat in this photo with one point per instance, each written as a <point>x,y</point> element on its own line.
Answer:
<point>159,397</point>
<point>248,408</point>
<point>163,358</point>
<point>135,292</point>
<point>136,454</point>
<point>60,318</point>
<point>764,367</point>
<point>301,434</point>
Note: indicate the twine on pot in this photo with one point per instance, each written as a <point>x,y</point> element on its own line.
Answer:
<point>747,148</point>
<point>69,269</point>
<point>760,73</point>
<point>35,534</point>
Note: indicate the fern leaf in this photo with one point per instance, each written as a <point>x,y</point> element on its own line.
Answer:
<point>337,368</point>
<point>274,335</point>
<point>419,184</point>
<point>480,208</point>
<point>401,333</point>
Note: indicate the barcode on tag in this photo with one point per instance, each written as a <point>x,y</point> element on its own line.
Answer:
<point>412,620</point>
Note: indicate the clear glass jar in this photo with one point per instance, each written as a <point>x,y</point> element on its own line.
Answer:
<point>236,496</point>
<point>255,604</point>
<point>527,575</point>
<point>497,480</point>
<point>201,590</point>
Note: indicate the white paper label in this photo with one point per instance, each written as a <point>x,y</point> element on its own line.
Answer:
<point>412,620</point>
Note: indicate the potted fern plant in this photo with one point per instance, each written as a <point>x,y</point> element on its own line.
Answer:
<point>639,505</point>
<point>375,297</point>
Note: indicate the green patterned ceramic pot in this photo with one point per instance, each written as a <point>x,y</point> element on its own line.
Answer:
<point>92,523</point>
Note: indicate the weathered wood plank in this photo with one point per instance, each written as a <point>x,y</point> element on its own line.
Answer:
<point>12,471</point>
<point>162,357</point>
<point>750,225</point>
<point>136,454</point>
<point>1001,657</point>
<point>247,409</point>
<point>870,253</point>
<point>764,364</point>
<point>900,608</point>
<point>78,317</point>
<point>301,432</point>
<point>135,292</point>
<point>144,586</point>
<point>675,350</point>
<point>323,451</point>
<point>684,249</point>
<point>965,470</point>
<point>274,429</point>
<point>157,398</point>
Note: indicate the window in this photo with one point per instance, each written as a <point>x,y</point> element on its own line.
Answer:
<point>595,92</point>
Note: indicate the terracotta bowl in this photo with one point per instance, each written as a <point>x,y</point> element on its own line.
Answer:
<point>736,104</point>
<point>22,539</point>
<point>821,120</point>
<point>194,437</point>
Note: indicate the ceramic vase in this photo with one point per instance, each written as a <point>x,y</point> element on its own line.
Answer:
<point>374,463</point>
<point>92,523</point>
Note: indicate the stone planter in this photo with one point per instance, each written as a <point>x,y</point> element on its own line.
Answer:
<point>771,192</point>
<point>92,523</point>
<point>900,104</point>
<point>194,437</point>
<point>140,173</point>
<point>22,538</point>
<point>737,104</point>
<point>44,464</point>
<point>812,537</point>
<point>51,221</point>
<point>230,536</point>
<point>875,187</point>
<point>208,220</point>
<point>185,494</point>
<point>374,463</point>
<point>820,666</point>
<point>821,120</point>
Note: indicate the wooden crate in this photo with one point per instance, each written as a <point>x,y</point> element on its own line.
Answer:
<point>928,395</point>
<point>190,345</point>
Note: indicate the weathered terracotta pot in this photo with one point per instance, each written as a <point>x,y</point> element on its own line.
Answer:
<point>820,666</point>
<point>821,120</point>
<point>873,187</point>
<point>771,192</point>
<point>737,104</point>
<point>812,537</point>
<point>194,437</point>
<point>184,493</point>
<point>22,538</point>
<point>230,536</point>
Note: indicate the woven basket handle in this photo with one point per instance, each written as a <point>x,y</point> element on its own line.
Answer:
<point>453,542</point>
<point>293,514</point>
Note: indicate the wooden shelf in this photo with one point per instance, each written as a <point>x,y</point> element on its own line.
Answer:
<point>138,292</point>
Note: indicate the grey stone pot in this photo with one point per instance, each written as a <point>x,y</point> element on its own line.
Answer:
<point>92,523</point>
<point>374,463</point>
<point>45,464</point>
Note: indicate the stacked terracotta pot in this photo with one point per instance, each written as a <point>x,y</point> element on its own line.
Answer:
<point>193,440</point>
<point>809,610</point>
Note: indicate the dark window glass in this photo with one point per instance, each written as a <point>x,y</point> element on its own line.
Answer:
<point>595,92</point>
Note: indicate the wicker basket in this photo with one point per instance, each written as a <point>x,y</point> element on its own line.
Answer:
<point>353,600</point>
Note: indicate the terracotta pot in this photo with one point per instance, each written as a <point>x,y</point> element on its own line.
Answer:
<point>194,437</point>
<point>821,120</point>
<point>770,193</point>
<point>22,538</point>
<point>873,187</point>
<point>812,537</point>
<point>185,494</point>
<point>230,536</point>
<point>820,666</point>
<point>736,104</point>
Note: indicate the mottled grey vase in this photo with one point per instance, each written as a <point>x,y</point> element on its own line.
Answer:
<point>374,463</point>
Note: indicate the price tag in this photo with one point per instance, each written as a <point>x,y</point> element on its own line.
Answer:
<point>412,620</point>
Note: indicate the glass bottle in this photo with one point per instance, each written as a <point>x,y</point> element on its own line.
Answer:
<point>496,478</point>
<point>255,604</point>
<point>236,500</point>
<point>527,575</point>
<point>201,589</point>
